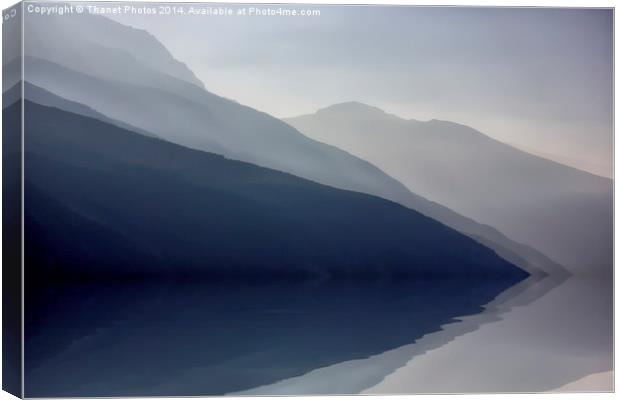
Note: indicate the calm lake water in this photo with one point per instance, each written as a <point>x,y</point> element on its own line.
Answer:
<point>216,338</point>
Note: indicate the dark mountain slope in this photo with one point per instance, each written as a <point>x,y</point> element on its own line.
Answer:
<point>94,186</point>
<point>192,125</point>
<point>131,77</point>
<point>49,99</point>
<point>207,122</point>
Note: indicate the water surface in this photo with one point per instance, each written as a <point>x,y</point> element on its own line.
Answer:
<point>213,338</point>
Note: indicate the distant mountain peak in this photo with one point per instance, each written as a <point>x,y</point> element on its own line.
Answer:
<point>351,106</point>
<point>101,44</point>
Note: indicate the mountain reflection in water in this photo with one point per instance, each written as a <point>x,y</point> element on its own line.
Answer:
<point>210,338</point>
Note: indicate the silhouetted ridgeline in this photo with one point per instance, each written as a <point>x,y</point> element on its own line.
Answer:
<point>131,77</point>
<point>102,200</point>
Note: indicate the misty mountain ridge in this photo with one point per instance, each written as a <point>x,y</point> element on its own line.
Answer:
<point>356,108</point>
<point>366,112</point>
<point>560,210</point>
<point>352,106</point>
<point>46,98</point>
<point>92,182</point>
<point>102,35</point>
<point>526,258</point>
<point>566,161</point>
<point>208,122</point>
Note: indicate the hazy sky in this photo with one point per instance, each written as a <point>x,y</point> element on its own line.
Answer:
<point>537,78</point>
